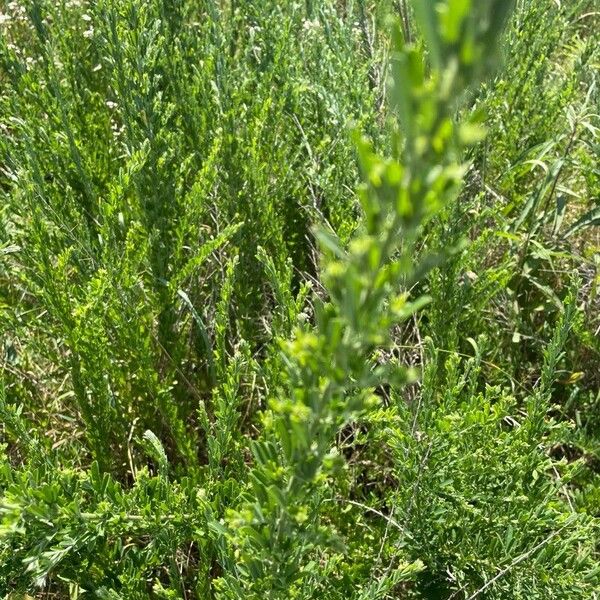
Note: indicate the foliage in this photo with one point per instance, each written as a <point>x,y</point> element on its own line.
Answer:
<point>299,300</point>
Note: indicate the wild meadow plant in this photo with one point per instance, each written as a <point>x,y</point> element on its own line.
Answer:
<point>248,354</point>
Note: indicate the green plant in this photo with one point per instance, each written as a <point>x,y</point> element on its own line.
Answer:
<point>247,354</point>
<point>330,372</point>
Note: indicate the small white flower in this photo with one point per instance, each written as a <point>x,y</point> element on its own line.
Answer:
<point>309,25</point>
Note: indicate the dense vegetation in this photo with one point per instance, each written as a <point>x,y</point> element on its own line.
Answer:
<point>299,299</point>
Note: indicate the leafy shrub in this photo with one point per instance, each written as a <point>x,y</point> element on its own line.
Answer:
<point>228,375</point>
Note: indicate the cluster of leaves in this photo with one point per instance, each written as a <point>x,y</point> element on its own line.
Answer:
<point>225,374</point>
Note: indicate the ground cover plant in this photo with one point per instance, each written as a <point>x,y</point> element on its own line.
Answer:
<point>299,299</point>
